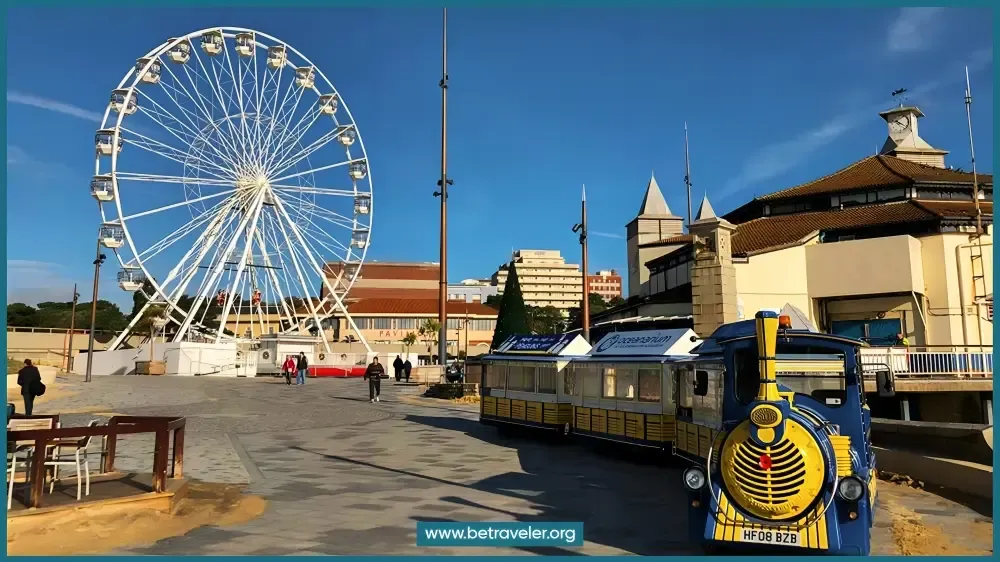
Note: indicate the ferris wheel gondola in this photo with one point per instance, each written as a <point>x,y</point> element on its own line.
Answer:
<point>245,178</point>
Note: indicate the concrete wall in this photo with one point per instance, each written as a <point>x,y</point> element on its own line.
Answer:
<point>944,273</point>
<point>902,307</point>
<point>182,359</point>
<point>774,279</point>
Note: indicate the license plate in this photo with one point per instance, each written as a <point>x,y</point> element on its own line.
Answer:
<point>766,536</point>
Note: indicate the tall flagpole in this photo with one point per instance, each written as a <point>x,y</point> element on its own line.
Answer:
<point>443,184</point>
<point>972,150</point>
<point>687,175</point>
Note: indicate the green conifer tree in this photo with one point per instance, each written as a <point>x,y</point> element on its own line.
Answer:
<point>512,319</point>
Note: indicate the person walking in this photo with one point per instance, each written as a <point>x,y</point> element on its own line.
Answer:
<point>407,367</point>
<point>30,381</point>
<point>301,365</point>
<point>397,367</point>
<point>374,375</point>
<point>289,367</point>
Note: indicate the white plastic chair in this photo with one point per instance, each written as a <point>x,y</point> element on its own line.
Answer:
<point>78,459</point>
<point>26,447</point>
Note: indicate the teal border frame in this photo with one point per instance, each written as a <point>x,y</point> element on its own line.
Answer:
<point>484,3</point>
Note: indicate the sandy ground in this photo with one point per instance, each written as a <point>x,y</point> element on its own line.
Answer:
<point>913,535</point>
<point>106,529</point>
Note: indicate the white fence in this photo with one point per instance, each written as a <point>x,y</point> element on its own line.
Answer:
<point>929,362</point>
<point>182,359</point>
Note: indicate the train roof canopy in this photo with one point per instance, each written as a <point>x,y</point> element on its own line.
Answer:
<point>542,345</point>
<point>661,343</point>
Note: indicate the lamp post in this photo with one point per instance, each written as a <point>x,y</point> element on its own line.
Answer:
<point>443,184</point>
<point>72,328</point>
<point>582,229</point>
<point>93,309</point>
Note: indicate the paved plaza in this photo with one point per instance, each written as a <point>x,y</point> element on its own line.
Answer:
<point>343,476</point>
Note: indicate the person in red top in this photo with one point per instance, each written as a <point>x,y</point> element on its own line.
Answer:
<point>288,367</point>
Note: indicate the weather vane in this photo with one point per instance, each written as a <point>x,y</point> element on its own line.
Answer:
<point>900,95</point>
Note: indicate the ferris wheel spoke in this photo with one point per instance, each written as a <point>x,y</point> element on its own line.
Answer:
<point>276,293</point>
<point>275,109</point>
<point>284,136</point>
<point>175,205</point>
<point>165,150</point>
<point>177,235</point>
<point>247,247</point>
<point>311,190</point>
<point>208,115</point>
<point>278,159</point>
<point>199,103</point>
<point>290,161</point>
<point>194,136</point>
<point>238,88</point>
<point>262,94</point>
<point>349,222</point>
<point>157,178</point>
<point>320,169</point>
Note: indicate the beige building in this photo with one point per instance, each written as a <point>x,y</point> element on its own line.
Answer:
<point>545,278</point>
<point>886,245</point>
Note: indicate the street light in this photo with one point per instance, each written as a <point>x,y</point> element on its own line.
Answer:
<point>443,183</point>
<point>581,228</point>
<point>72,328</point>
<point>93,309</point>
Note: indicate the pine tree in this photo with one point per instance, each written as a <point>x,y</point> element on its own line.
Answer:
<point>513,316</point>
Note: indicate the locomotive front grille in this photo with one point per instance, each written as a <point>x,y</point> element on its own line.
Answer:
<point>775,485</point>
<point>774,482</point>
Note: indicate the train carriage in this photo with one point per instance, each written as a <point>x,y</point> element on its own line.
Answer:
<point>521,385</point>
<point>624,390</point>
<point>789,462</point>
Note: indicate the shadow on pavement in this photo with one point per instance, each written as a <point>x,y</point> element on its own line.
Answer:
<point>636,508</point>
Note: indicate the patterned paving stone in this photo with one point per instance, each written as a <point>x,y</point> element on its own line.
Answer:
<point>343,476</point>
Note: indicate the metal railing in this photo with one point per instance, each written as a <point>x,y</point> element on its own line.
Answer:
<point>930,362</point>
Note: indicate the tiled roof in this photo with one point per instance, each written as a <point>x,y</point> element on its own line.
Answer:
<point>417,306</point>
<point>679,239</point>
<point>875,172</point>
<point>410,271</point>
<point>957,209</point>
<point>776,231</point>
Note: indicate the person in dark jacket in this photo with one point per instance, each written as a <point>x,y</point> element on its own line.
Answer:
<point>407,367</point>
<point>397,367</point>
<point>301,365</point>
<point>374,375</point>
<point>30,381</point>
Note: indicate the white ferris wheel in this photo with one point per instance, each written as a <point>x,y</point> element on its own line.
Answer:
<point>234,188</point>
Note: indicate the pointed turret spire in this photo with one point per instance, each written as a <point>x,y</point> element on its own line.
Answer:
<point>653,202</point>
<point>705,210</point>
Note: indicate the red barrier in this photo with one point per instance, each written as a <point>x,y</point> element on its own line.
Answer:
<point>337,371</point>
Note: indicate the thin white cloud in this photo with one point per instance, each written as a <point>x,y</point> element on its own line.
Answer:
<point>53,105</point>
<point>19,159</point>
<point>608,235</point>
<point>913,30</point>
<point>775,159</point>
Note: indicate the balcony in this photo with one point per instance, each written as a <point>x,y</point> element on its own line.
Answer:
<point>865,267</point>
<point>929,362</point>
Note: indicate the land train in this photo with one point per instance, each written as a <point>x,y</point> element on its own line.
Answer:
<point>770,422</point>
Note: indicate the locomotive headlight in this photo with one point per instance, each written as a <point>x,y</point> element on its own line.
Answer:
<point>850,489</point>
<point>694,478</point>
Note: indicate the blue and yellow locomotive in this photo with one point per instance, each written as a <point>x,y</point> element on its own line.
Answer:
<point>775,423</point>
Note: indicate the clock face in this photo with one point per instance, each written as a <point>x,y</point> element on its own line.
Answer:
<point>899,123</point>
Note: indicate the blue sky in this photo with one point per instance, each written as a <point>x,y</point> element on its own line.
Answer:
<point>541,101</point>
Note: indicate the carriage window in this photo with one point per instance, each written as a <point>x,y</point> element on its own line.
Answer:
<point>649,385</point>
<point>625,384</point>
<point>521,378</point>
<point>591,381</point>
<point>700,383</point>
<point>821,377</point>
<point>546,379</point>
<point>569,382</point>
<point>609,382</point>
<point>495,375</point>
<point>747,375</point>
<point>686,380</point>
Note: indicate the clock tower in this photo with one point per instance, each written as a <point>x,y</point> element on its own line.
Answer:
<point>904,142</point>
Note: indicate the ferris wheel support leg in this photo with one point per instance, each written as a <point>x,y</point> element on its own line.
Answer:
<point>244,222</point>
<point>124,334</point>
<point>298,271</point>
<point>247,246</point>
<point>274,280</point>
<point>340,303</point>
